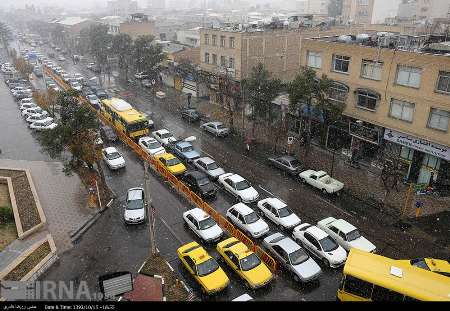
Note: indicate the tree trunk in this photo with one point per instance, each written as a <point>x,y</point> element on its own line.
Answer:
<point>308,133</point>
<point>100,171</point>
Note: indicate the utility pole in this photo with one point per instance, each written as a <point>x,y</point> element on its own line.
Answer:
<point>150,210</point>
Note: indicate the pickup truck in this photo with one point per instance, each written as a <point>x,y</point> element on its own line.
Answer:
<point>321,180</point>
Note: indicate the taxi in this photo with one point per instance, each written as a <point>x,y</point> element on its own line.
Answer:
<point>245,263</point>
<point>205,269</point>
<point>172,163</point>
<point>435,265</point>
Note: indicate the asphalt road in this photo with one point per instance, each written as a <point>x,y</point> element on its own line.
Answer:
<point>111,246</point>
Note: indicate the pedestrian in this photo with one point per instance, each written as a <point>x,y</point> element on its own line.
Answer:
<point>247,146</point>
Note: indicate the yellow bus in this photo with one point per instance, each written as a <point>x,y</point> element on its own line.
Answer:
<point>370,277</point>
<point>125,118</point>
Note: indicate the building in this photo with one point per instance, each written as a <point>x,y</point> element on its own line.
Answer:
<point>396,93</point>
<point>121,7</point>
<point>73,25</point>
<point>138,25</point>
<point>423,9</point>
<point>156,4</point>
<point>113,23</point>
<point>190,37</point>
<point>357,11</point>
<point>316,7</point>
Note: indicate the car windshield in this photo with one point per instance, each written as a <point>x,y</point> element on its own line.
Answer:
<point>295,163</point>
<point>420,263</point>
<point>187,149</point>
<point>284,212</point>
<point>206,223</point>
<point>221,126</point>
<point>92,97</point>
<point>353,235</point>
<point>207,267</point>
<point>154,145</point>
<point>173,161</point>
<point>212,166</point>
<point>46,123</point>
<point>203,181</point>
<point>250,262</point>
<point>166,135</point>
<point>242,185</point>
<point>328,244</point>
<point>251,218</point>
<point>135,204</point>
<point>113,155</point>
<point>298,256</point>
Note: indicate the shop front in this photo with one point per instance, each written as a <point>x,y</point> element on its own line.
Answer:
<point>429,163</point>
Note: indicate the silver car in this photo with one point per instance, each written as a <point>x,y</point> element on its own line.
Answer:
<point>293,257</point>
<point>216,128</point>
<point>209,167</point>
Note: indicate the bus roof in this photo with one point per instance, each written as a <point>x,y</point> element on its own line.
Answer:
<point>124,110</point>
<point>397,276</point>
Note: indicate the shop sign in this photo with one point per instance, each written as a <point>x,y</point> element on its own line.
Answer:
<point>364,133</point>
<point>422,145</point>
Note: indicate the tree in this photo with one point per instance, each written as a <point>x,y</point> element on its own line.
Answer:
<point>122,44</point>
<point>261,90</point>
<point>76,132</point>
<point>23,67</point>
<point>147,55</point>
<point>100,45</point>
<point>5,35</point>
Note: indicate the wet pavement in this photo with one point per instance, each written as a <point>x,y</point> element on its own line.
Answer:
<point>111,246</point>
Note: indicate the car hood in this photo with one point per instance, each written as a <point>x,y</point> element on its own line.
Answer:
<point>207,188</point>
<point>191,154</point>
<point>117,161</point>
<point>211,233</point>
<point>134,213</point>
<point>217,172</point>
<point>215,281</point>
<point>248,194</point>
<point>156,151</point>
<point>363,244</point>
<point>177,169</point>
<point>258,275</point>
<point>336,256</point>
<point>308,269</point>
<point>258,226</point>
<point>290,221</point>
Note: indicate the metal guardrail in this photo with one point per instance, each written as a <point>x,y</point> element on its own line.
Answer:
<point>177,184</point>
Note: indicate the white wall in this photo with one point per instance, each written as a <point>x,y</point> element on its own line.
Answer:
<point>383,9</point>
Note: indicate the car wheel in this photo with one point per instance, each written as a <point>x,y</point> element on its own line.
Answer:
<point>296,278</point>
<point>324,191</point>
<point>326,262</point>
<point>303,180</point>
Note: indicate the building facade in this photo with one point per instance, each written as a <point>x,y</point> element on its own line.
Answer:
<point>190,37</point>
<point>423,9</point>
<point>358,11</point>
<point>394,99</point>
<point>138,25</point>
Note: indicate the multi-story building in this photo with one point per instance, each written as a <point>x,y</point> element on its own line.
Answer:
<point>396,98</point>
<point>138,25</point>
<point>113,23</point>
<point>121,7</point>
<point>423,9</point>
<point>357,11</point>
<point>190,37</point>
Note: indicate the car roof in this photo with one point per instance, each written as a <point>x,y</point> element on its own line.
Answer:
<point>162,131</point>
<point>275,202</point>
<point>147,139</point>
<point>215,122</point>
<point>242,209</point>
<point>236,178</point>
<point>316,232</point>
<point>287,158</point>
<point>166,156</point>
<point>343,226</point>
<point>183,144</point>
<point>284,242</point>
<point>135,193</point>
<point>111,150</point>
<point>196,174</point>
<point>198,214</point>
<point>206,160</point>
<point>239,248</point>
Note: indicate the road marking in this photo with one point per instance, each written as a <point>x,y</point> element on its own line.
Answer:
<point>265,190</point>
<point>171,231</point>
<point>207,153</point>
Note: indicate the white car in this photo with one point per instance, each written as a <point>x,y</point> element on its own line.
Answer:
<point>38,117</point>
<point>43,125</point>
<point>75,85</point>
<point>140,75</point>
<point>247,220</point>
<point>27,106</point>
<point>279,213</point>
<point>93,100</point>
<point>345,234</point>
<point>320,244</point>
<point>239,187</point>
<point>209,167</point>
<point>151,146</point>
<point>28,100</point>
<point>160,95</point>
<point>27,112</point>
<point>321,180</point>
<point>163,136</point>
<point>113,158</point>
<point>203,225</point>
<point>135,206</point>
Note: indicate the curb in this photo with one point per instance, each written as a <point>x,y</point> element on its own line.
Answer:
<point>74,236</point>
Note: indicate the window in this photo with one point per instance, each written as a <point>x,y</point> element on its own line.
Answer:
<point>367,99</point>
<point>222,41</point>
<point>338,92</point>
<point>231,42</point>
<point>439,119</point>
<point>214,59</point>
<point>407,153</point>
<point>223,61</point>
<point>358,287</point>
<point>207,58</point>
<point>341,63</point>
<point>214,40</point>
<point>314,60</point>
<point>409,76</point>
<point>231,63</point>
<point>206,39</point>
<point>444,82</point>
<point>371,70</point>
<point>402,110</point>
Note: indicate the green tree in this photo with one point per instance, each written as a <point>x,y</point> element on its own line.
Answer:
<point>147,55</point>
<point>76,132</point>
<point>261,89</point>
<point>122,45</point>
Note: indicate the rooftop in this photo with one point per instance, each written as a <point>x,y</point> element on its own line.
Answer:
<point>71,21</point>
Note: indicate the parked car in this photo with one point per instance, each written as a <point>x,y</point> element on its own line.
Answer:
<point>26,106</point>
<point>135,208</point>
<point>200,184</point>
<point>292,257</point>
<point>90,66</point>
<point>61,59</point>
<point>172,163</point>
<point>204,268</point>
<point>101,94</point>
<point>279,213</point>
<point>216,128</point>
<point>27,100</point>
<point>75,85</point>
<point>247,220</point>
<point>320,244</point>
<point>345,234</point>
<point>190,114</point>
<point>108,133</point>
<point>146,83</point>
<point>184,151</point>
<point>245,263</point>
<point>239,187</point>
<point>163,136</point>
<point>209,167</point>
<point>203,225</point>
<point>151,146</point>
<point>113,158</point>
<point>27,112</point>
<point>38,117</point>
<point>287,164</point>
<point>160,95</point>
<point>86,91</point>
<point>43,125</point>
<point>140,75</point>
<point>321,180</point>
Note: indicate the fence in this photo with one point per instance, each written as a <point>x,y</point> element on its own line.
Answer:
<point>178,185</point>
